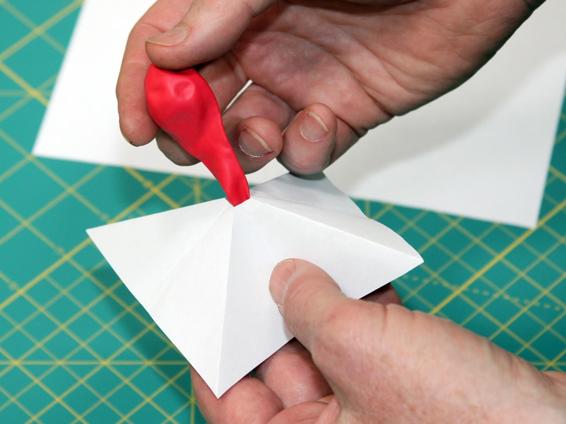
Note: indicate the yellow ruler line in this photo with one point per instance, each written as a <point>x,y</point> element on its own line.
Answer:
<point>46,389</point>
<point>36,30</point>
<point>36,94</point>
<point>25,100</point>
<point>496,259</point>
<point>65,258</point>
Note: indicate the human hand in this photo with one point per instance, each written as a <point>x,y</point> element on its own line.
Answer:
<point>324,71</point>
<point>379,362</point>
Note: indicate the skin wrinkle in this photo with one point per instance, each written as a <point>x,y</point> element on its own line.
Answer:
<point>478,31</point>
<point>434,68</point>
<point>384,65</point>
<point>293,353</point>
<point>365,361</point>
<point>161,25</point>
<point>386,363</point>
<point>388,65</point>
<point>335,338</point>
<point>358,45</point>
<point>358,132</point>
<point>363,128</point>
<point>261,95</point>
<point>255,87</point>
<point>236,67</point>
<point>152,26</point>
<point>394,365</point>
<point>374,94</point>
<point>280,31</point>
<point>466,62</point>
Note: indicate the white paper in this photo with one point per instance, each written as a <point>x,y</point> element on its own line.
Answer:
<point>481,151</point>
<point>202,271</point>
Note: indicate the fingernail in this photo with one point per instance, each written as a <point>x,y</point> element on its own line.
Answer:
<point>252,145</point>
<point>313,128</point>
<point>281,276</point>
<point>170,38</point>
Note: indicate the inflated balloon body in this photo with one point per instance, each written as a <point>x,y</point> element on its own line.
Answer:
<point>184,106</point>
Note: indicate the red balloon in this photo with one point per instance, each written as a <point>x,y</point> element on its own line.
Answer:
<point>184,106</point>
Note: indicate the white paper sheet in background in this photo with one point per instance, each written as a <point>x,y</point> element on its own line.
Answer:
<point>481,151</point>
<point>202,271</point>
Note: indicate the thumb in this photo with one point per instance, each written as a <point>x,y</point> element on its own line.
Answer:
<point>329,324</point>
<point>306,296</point>
<point>208,30</point>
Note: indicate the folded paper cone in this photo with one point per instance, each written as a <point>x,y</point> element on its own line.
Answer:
<point>202,272</point>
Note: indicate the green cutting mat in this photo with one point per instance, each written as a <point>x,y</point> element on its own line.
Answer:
<point>76,346</point>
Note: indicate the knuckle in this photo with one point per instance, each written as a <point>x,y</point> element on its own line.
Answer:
<point>338,320</point>
<point>335,334</point>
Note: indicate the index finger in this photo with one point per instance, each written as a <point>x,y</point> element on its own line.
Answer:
<point>224,74</point>
<point>135,123</point>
